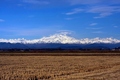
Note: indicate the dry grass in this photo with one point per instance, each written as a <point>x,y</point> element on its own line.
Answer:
<point>59,67</point>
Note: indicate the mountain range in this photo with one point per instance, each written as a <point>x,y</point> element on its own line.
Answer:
<point>60,40</point>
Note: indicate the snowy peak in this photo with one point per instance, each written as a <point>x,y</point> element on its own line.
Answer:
<point>13,40</point>
<point>99,40</point>
<point>62,38</point>
<point>59,38</point>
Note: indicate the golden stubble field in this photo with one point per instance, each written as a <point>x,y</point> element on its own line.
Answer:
<point>59,67</point>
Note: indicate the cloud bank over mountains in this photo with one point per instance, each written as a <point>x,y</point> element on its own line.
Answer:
<point>62,38</point>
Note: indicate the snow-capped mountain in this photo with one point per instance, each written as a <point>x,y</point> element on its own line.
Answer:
<point>63,38</point>
<point>59,38</point>
<point>99,40</point>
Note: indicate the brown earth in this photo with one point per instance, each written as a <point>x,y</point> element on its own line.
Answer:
<point>59,67</point>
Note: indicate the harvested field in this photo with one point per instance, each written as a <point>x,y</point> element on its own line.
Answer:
<point>59,54</point>
<point>59,67</point>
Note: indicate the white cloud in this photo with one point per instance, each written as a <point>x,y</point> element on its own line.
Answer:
<point>113,1</point>
<point>104,11</point>
<point>103,8</point>
<point>93,24</point>
<point>1,20</point>
<point>75,11</point>
<point>65,31</point>
<point>93,2</point>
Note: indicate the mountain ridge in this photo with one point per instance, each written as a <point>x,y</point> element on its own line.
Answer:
<point>62,38</point>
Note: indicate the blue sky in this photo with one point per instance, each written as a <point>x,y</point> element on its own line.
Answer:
<point>33,19</point>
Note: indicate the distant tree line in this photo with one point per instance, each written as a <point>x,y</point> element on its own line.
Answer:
<point>59,50</point>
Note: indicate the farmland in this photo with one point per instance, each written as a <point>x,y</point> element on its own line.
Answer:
<point>59,67</point>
